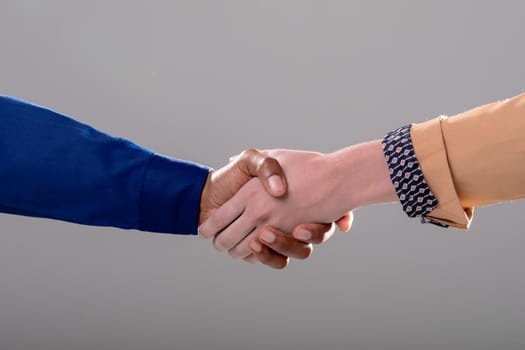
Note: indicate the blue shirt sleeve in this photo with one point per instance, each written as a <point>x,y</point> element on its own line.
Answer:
<point>52,166</point>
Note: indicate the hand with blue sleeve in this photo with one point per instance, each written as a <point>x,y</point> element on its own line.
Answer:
<point>52,166</point>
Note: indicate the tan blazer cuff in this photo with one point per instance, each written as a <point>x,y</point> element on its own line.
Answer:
<point>431,152</point>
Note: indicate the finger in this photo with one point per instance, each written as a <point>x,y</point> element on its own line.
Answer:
<point>242,249</point>
<point>251,259</point>
<point>267,256</point>
<point>314,233</point>
<point>233,158</point>
<point>233,234</point>
<point>268,169</point>
<point>344,223</point>
<point>284,244</point>
<point>222,217</point>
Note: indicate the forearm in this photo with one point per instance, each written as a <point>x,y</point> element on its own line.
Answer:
<point>474,158</point>
<point>486,148</point>
<point>55,167</point>
<point>363,176</point>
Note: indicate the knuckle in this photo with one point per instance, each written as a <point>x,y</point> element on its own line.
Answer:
<point>215,218</point>
<point>239,252</point>
<point>272,260</point>
<point>317,238</point>
<point>306,252</point>
<point>269,164</point>
<point>258,214</point>
<point>251,259</point>
<point>213,225</point>
<point>234,253</point>
<point>249,152</point>
<point>281,264</point>
<point>210,223</point>
<point>262,209</point>
<point>221,244</point>
<point>265,257</point>
<point>283,244</point>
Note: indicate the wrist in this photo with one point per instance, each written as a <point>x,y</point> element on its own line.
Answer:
<point>205,205</point>
<point>363,175</point>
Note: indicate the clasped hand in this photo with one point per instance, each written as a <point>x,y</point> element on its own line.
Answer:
<point>263,218</point>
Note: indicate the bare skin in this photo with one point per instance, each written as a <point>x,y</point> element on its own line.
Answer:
<point>322,188</point>
<point>279,245</point>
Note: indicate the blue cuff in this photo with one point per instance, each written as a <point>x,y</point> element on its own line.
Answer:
<point>170,197</point>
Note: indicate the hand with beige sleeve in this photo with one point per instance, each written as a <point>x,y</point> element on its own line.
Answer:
<point>438,170</point>
<point>322,188</point>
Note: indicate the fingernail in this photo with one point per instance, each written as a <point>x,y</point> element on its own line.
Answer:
<point>256,246</point>
<point>276,184</point>
<point>267,236</point>
<point>303,235</point>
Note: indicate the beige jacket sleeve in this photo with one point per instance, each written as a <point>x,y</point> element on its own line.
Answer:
<point>473,158</point>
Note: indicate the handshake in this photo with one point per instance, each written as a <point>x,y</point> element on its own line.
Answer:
<point>268,206</point>
<point>264,206</point>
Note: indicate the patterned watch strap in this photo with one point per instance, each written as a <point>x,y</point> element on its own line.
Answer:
<point>414,194</point>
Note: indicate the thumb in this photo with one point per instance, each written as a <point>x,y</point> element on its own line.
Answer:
<point>256,164</point>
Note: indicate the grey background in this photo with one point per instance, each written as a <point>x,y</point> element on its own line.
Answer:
<point>202,80</point>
